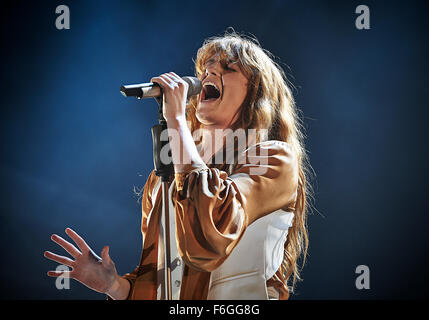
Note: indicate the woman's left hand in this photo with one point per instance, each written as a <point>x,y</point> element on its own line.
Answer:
<point>175,91</point>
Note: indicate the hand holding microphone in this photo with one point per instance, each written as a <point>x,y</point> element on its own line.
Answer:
<point>176,92</point>
<point>174,89</point>
<point>153,90</point>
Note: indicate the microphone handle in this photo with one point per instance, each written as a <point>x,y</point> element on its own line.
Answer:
<point>141,90</point>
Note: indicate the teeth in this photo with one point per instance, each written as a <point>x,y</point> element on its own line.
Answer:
<point>211,83</point>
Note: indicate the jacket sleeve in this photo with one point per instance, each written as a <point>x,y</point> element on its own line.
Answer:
<point>214,209</point>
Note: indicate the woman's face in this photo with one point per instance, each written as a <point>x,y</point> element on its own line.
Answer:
<point>224,90</point>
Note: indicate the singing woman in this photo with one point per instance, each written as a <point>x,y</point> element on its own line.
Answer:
<point>239,223</point>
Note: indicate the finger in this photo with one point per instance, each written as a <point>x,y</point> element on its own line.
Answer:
<point>171,82</point>
<point>162,82</point>
<point>171,77</point>
<point>105,253</point>
<point>180,82</point>
<point>105,258</point>
<point>71,249</point>
<point>78,240</point>
<point>65,274</point>
<point>57,258</point>
<point>176,77</point>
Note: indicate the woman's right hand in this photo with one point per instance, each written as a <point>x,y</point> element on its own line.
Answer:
<point>96,273</point>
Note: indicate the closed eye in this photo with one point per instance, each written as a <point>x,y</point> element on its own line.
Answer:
<point>230,69</point>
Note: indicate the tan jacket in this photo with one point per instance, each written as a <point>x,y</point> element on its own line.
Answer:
<point>230,228</point>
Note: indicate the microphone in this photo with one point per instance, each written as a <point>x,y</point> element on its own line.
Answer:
<point>153,90</point>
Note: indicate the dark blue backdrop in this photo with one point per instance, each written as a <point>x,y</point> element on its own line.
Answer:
<point>73,149</point>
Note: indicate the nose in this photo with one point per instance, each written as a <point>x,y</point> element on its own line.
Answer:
<point>213,69</point>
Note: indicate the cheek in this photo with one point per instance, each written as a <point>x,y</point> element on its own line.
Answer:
<point>237,88</point>
<point>239,93</point>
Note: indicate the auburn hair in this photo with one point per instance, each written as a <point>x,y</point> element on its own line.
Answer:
<point>269,104</point>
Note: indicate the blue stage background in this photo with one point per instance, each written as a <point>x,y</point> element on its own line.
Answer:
<point>73,148</point>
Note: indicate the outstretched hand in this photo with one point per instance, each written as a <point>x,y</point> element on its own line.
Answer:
<point>96,273</point>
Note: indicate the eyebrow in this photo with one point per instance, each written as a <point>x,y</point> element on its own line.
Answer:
<point>213,60</point>
<point>209,62</point>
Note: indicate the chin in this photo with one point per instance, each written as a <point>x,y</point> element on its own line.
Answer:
<point>205,117</point>
<point>202,117</point>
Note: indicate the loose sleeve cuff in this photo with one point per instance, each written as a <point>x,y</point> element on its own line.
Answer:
<point>180,177</point>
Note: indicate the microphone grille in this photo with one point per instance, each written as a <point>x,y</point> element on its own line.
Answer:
<point>195,86</point>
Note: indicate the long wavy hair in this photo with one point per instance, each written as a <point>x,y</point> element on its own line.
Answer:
<point>269,105</point>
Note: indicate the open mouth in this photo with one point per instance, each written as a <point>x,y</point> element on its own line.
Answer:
<point>210,92</point>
